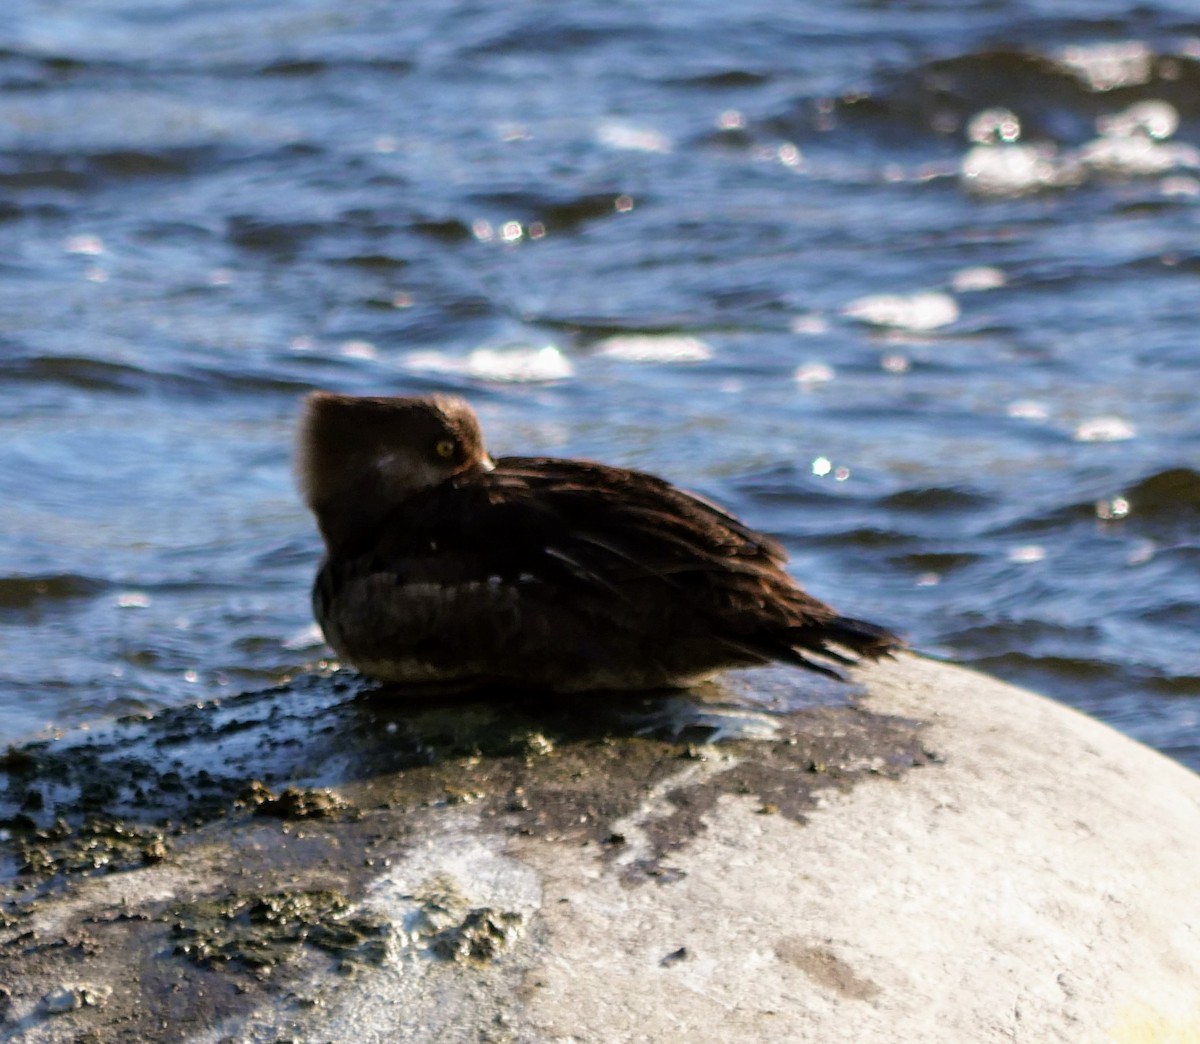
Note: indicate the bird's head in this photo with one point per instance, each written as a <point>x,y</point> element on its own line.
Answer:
<point>365,454</point>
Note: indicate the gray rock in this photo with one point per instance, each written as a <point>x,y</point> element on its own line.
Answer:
<point>946,859</point>
<point>70,998</point>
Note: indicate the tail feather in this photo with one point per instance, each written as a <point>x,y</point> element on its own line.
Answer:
<point>831,640</point>
<point>860,637</point>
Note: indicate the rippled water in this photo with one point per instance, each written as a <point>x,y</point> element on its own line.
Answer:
<point>913,287</point>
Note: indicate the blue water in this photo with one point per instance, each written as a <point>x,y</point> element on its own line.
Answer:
<point>209,208</point>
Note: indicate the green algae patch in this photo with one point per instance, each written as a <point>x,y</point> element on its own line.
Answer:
<point>483,935</point>
<point>259,932</point>
<point>97,846</point>
<point>295,802</point>
<point>448,928</point>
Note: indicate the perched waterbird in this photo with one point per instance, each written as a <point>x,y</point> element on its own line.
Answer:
<point>446,567</point>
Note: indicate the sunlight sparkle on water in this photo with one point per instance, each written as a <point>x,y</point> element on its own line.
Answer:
<point>1133,142</point>
<point>789,155</point>
<point>502,365</point>
<point>997,164</point>
<point>1113,509</point>
<point>664,348</point>
<point>1104,429</point>
<point>994,125</point>
<point>1027,554</point>
<point>1179,185</point>
<point>811,324</point>
<point>1028,409</point>
<point>87,245</point>
<point>309,638</point>
<point>809,375</point>
<point>1154,118</point>
<point>1142,553</point>
<point>1008,170</point>
<point>628,137</point>
<point>930,310</point>
<point>823,466</point>
<point>1105,66</point>
<point>358,350</point>
<point>981,277</point>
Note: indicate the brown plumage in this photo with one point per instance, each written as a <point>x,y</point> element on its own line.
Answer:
<point>446,567</point>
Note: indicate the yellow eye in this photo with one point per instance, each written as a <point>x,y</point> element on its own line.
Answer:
<point>444,448</point>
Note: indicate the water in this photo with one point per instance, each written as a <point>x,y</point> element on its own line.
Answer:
<point>683,237</point>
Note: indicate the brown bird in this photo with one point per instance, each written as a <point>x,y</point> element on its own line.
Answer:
<point>446,567</point>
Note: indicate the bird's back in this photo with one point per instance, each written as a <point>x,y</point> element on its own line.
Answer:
<point>570,575</point>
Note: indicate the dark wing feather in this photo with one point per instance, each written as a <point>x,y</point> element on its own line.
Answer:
<point>608,536</point>
<point>574,521</point>
<point>641,521</point>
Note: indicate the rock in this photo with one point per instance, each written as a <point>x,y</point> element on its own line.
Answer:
<point>945,859</point>
<point>61,1000</point>
<point>69,998</point>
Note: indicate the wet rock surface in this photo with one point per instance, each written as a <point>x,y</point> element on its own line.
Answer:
<point>325,861</point>
<point>235,846</point>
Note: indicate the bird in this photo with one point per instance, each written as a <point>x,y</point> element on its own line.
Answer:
<point>444,566</point>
